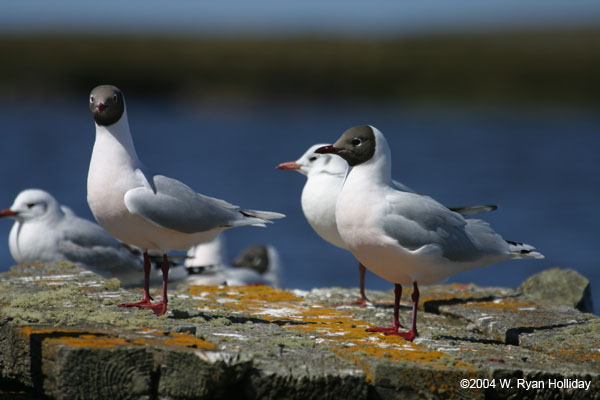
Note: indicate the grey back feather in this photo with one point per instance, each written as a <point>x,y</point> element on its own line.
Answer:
<point>415,221</point>
<point>176,206</point>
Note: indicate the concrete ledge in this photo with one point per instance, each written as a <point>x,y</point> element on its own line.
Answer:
<point>62,336</point>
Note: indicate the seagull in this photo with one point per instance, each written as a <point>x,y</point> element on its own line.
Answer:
<point>325,175</point>
<point>255,265</point>
<point>145,209</point>
<point>47,231</point>
<point>404,237</point>
<point>206,256</point>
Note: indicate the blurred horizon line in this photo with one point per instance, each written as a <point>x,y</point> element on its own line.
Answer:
<point>317,34</point>
<point>540,66</point>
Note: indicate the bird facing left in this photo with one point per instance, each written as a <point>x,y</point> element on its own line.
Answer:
<point>146,209</point>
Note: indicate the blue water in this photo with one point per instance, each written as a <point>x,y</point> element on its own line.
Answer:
<point>541,167</point>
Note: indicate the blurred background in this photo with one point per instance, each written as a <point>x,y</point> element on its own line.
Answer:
<point>481,102</point>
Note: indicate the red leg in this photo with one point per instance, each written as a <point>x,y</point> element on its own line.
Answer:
<point>161,307</point>
<point>363,297</point>
<point>146,299</point>
<point>362,300</point>
<point>395,323</point>
<point>412,333</point>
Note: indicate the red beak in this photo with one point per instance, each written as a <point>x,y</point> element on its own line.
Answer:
<point>8,213</point>
<point>289,165</point>
<point>101,107</point>
<point>327,149</point>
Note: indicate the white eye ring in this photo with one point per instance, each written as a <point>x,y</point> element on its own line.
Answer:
<point>115,97</point>
<point>91,98</point>
<point>356,141</point>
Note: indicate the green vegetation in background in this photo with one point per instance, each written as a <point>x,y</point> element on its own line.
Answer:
<point>552,67</point>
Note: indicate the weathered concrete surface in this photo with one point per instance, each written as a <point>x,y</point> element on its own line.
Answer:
<point>560,286</point>
<point>62,336</point>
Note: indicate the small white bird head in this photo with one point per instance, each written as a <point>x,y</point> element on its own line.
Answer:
<point>107,104</point>
<point>312,163</point>
<point>356,145</point>
<point>32,204</point>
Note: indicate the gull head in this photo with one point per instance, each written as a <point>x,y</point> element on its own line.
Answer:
<point>311,163</point>
<point>254,257</point>
<point>107,104</point>
<point>356,145</point>
<point>32,204</point>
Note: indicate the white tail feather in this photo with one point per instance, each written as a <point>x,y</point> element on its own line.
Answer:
<point>522,250</point>
<point>264,215</point>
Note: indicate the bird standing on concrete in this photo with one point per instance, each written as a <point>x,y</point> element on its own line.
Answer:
<point>148,210</point>
<point>325,174</point>
<point>404,237</point>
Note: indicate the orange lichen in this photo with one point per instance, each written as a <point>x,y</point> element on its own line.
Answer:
<point>575,354</point>
<point>338,329</point>
<point>182,339</point>
<point>36,330</point>
<point>255,292</point>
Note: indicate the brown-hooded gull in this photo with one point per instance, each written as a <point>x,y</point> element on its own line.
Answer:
<point>145,209</point>
<point>404,237</point>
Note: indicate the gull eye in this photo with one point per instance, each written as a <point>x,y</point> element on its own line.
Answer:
<point>91,98</point>
<point>30,205</point>
<point>115,97</point>
<point>356,141</point>
<point>312,159</point>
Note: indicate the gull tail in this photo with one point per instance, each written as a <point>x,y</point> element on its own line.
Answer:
<point>262,217</point>
<point>522,250</point>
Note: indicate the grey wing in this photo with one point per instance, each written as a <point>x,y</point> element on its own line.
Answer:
<point>85,242</point>
<point>168,203</point>
<point>462,210</point>
<point>418,222</point>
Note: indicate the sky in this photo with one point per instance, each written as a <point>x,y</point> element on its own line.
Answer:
<point>350,17</point>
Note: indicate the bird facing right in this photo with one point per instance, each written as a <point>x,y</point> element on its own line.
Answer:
<point>403,237</point>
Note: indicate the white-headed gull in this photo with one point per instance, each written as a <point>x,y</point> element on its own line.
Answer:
<point>145,209</point>
<point>45,231</point>
<point>325,175</point>
<point>255,265</point>
<point>404,237</point>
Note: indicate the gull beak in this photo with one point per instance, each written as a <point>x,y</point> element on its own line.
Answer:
<point>328,149</point>
<point>290,165</point>
<point>8,213</point>
<point>100,107</point>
